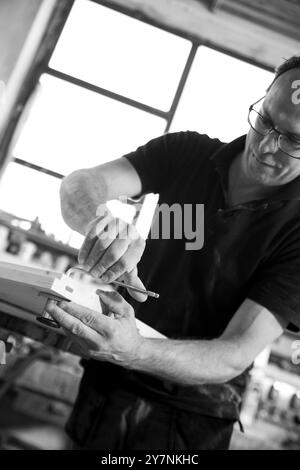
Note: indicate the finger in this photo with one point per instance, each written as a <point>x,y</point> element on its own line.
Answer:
<point>93,260</point>
<point>97,225</point>
<point>115,303</point>
<point>87,243</point>
<point>92,319</point>
<point>126,263</point>
<point>71,324</point>
<point>85,250</point>
<point>95,228</point>
<point>111,257</point>
<point>106,239</point>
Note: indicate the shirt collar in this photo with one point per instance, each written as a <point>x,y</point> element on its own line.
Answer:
<point>223,157</point>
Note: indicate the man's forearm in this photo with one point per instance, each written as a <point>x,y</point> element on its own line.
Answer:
<point>81,194</point>
<point>189,362</point>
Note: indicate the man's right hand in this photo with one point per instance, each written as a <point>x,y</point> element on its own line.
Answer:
<point>111,250</point>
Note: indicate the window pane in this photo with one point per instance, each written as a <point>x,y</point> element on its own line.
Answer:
<point>28,194</point>
<point>122,54</point>
<point>69,127</point>
<point>218,94</point>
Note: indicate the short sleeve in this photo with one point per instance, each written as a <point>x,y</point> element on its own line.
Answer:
<point>159,162</point>
<point>277,283</point>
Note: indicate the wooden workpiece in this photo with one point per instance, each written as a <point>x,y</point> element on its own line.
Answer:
<point>24,293</point>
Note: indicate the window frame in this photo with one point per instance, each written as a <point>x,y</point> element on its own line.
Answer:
<point>41,66</point>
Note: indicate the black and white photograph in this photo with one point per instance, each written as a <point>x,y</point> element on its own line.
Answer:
<point>149,228</point>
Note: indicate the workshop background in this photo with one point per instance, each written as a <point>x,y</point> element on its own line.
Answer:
<point>81,83</point>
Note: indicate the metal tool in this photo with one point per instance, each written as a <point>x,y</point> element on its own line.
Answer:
<point>117,283</point>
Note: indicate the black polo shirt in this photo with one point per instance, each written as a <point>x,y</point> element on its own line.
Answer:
<point>250,250</point>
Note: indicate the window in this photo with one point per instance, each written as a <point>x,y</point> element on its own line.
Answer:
<point>112,84</point>
<point>69,127</point>
<point>124,55</point>
<point>218,94</point>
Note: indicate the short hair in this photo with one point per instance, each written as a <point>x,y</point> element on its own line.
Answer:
<point>289,64</point>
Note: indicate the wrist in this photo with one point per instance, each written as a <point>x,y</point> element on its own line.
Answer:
<point>143,355</point>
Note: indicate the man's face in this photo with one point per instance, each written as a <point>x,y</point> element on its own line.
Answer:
<point>262,162</point>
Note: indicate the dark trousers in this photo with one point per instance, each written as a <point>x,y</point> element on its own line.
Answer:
<point>121,420</point>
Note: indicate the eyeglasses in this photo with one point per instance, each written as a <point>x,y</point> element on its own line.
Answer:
<point>263,126</point>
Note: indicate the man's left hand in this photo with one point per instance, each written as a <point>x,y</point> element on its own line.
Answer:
<point>112,337</point>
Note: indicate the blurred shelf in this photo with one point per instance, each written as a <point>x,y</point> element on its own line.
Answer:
<point>7,219</point>
<point>42,239</point>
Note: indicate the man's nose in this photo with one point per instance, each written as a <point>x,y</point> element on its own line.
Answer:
<point>269,143</point>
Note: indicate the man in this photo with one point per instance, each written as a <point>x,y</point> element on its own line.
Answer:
<point>219,306</point>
